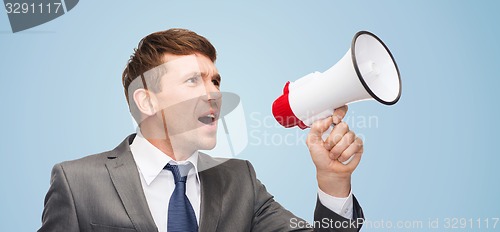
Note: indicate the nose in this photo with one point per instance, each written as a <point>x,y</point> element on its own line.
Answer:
<point>213,93</point>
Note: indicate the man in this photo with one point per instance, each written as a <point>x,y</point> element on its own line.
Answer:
<point>156,180</point>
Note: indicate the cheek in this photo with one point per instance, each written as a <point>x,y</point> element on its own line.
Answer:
<point>179,98</point>
<point>180,106</point>
<point>180,110</point>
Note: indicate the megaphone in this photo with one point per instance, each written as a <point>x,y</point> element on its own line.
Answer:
<point>367,71</point>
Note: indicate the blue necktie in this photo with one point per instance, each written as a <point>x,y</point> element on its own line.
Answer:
<point>181,217</point>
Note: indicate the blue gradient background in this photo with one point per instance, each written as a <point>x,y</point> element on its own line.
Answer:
<point>432,155</point>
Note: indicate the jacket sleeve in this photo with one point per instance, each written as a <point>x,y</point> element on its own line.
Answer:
<point>269,215</point>
<point>328,220</point>
<point>59,213</point>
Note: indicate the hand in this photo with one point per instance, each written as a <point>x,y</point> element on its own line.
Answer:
<point>334,178</point>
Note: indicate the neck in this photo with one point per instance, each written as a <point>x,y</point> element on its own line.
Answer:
<point>165,146</point>
<point>161,140</point>
<point>158,136</point>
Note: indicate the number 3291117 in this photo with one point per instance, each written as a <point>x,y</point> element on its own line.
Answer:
<point>462,223</point>
<point>26,8</point>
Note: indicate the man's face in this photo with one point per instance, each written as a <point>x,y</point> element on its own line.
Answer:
<point>189,101</point>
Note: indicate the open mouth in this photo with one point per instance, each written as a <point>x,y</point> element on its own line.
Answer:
<point>208,119</point>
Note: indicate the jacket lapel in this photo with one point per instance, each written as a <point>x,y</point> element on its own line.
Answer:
<point>125,177</point>
<point>211,193</point>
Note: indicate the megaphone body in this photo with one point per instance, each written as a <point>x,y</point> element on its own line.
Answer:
<point>367,71</point>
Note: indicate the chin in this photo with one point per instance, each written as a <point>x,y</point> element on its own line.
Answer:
<point>208,144</point>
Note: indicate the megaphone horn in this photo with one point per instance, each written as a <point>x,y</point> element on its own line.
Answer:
<point>367,71</point>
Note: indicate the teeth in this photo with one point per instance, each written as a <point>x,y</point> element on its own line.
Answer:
<point>207,119</point>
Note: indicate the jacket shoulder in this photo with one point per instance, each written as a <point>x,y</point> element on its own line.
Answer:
<point>207,162</point>
<point>89,160</point>
<point>98,159</point>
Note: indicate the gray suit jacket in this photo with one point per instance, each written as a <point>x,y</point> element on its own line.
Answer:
<point>103,192</point>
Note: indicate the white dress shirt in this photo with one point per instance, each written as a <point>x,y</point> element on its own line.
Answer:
<point>158,184</point>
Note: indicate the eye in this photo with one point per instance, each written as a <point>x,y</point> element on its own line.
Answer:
<point>216,83</point>
<point>193,80</point>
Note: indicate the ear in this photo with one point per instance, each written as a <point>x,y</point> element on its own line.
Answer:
<point>145,101</point>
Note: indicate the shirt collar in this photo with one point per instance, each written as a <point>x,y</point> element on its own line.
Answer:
<point>151,161</point>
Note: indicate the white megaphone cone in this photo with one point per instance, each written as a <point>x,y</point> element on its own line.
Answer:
<point>367,71</point>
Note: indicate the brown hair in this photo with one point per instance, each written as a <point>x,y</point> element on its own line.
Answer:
<point>151,49</point>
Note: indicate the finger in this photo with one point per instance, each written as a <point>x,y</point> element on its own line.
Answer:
<point>339,114</point>
<point>336,135</point>
<point>348,160</point>
<point>353,148</point>
<point>317,129</point>
<point>342,145</point>
<point>356,158</point>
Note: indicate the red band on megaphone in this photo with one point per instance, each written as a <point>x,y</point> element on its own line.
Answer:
<point>283,112</point>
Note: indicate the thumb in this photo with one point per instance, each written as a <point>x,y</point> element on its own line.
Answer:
<point>339,114</point>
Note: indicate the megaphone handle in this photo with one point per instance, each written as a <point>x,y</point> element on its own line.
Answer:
<point>325,136</point>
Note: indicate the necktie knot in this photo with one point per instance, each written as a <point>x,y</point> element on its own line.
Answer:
<point>180,172</point>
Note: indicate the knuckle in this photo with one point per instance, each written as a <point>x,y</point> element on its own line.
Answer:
<point>351,136</point>
<point>346,140</point>
<point>315,126</point>
<point>342,157</point>
<point>331,156</point>
<point>309,140</point>
<point>329,143</point>
<point>337,138</point>
<point>343,125</point>
<point>340,148</point>
<point>334,152</point>
<point>359,142</point>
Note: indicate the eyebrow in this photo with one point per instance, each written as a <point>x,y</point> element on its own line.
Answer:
<point>215,76</point>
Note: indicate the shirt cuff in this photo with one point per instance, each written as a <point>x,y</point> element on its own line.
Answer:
<point>342,206</point>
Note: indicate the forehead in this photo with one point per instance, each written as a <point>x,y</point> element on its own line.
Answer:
<point>178,68</point>
<point>189,63</point>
